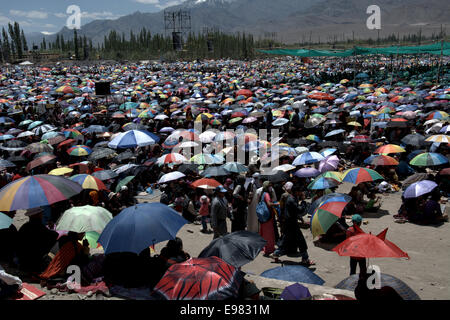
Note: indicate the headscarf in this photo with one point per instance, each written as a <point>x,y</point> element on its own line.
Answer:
<point>266,185</point>
<point>94,196</point>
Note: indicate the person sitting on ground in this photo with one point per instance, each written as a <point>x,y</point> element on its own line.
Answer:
<point>432,211</point>
<point>35,242</point>
<point>70,253</point>
<point>173,252</point>
<point>374,203</point>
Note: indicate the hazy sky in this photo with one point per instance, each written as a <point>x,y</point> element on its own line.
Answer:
<point>50,16</point>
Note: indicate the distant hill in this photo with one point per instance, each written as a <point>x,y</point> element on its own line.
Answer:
<point>291,20</point>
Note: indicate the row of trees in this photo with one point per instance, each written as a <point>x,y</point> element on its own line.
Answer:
<point>13,44</point>
<point>145,45</point>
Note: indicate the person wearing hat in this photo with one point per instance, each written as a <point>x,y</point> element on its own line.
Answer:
<point>353,231</point>
<point>35,242</point>
<point>219,210</point>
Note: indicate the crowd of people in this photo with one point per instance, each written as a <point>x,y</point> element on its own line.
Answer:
<point>55,109</point>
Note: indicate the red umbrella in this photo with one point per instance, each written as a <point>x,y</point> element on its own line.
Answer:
<point>321,96</point>
<point>200,279</point>
<point>367,245</point>
<point>67,143</point>
<point>244,92</point>
<point>206,183</point>
<point>361,139</point>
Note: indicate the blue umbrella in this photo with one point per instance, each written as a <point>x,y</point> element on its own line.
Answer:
<point>5,221</point>
<point>334,132</point>
<point>327,152</point>
<point>307,158</point>
<point>132,139</point>
<point>294,273</point>
<point>140,226</point>
<point>419,188</point>
<point>295,292</point>
<point>398,285</point>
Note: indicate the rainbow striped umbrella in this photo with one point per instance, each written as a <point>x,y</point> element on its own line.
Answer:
<point>438,115</point>
<point>35,191</point>
<point>439,138</point>
<point>79,151</point>
<point>390,148</point>
<point>72,133</point>
<point>359,175</point>
<point>428,159</point>
<point>327,213</point>
<point>87,181</point>
<point>321,183</point>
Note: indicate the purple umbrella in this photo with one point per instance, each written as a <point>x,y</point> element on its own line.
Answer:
<point>329,164</point>
<point>295,292</point>
<point>307,172</point>
<point>419,188</point>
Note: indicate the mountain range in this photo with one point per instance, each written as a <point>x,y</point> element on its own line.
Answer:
<point>288,21</point>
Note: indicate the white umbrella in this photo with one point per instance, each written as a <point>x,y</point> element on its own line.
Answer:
<point>171,176</point>
<point>284,167</point>
<point>161,117</point>
<point>188,144</point>
<point>25,134</point>
<point>207,136</point>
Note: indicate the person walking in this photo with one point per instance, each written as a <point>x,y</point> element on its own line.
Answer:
<point>219,210</point>
<point>353,231</point>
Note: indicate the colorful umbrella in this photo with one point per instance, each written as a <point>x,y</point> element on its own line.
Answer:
<point>136,228</point>
<point>35,191</point>
<point>359,175</point>
<point>200,279</point>
<point>326,214</point>
<point>84,219</point>
<point>367,245</point>
<point>439,138</point>
<point>87,181</point>
<point>171,158</point>
<point>428,159</point>
<point>79,151</point>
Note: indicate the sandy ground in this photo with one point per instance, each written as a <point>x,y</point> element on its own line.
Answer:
<point>427,271</point>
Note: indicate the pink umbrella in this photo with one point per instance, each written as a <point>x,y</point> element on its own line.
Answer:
<point>329,164</point>
<point>249,120</point>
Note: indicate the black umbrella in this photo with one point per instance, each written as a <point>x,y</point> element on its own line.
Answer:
<point>125,155</point>
<point>188,168</point>
<point>237,248</point>
<point>135,126</point>
<point>17,159</point>
<point>101,153</point>
<point>215,172</point>
<point>105,174</point>
<point>14,145</point>
<point>277,177</point>
<point>398,285</point>
<point>397,124</point>
<point>414,139</point>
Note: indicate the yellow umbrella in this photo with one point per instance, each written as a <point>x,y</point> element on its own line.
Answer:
<point>60,171</point>
<point>354,123</point>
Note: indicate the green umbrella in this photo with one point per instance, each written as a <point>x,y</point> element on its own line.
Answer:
<point>237,119</point>
<point>92,238</point>
<point>84,219</point>
<point>124,182</point>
